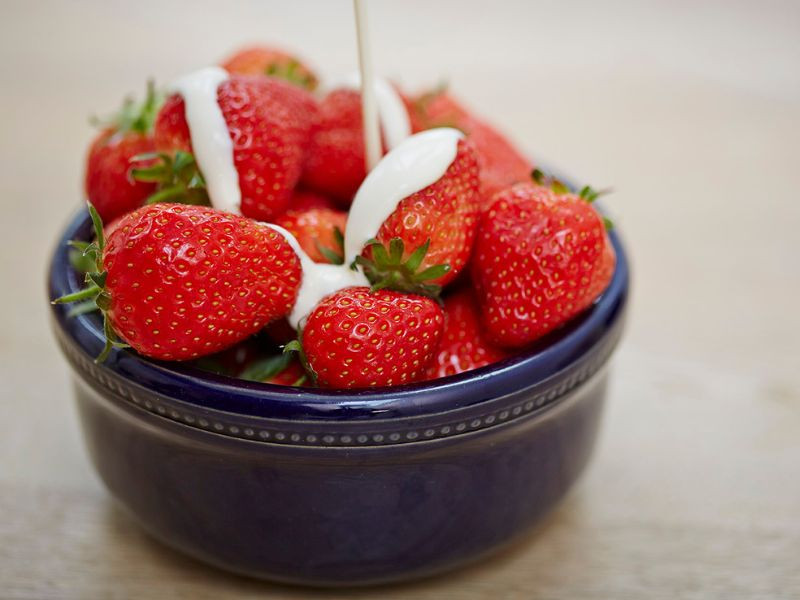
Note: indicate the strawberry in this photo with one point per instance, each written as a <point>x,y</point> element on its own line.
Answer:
<point>108,184</point>
<point>269,122</point>
<point>280,369</point>
<point>335,163</point>
<point>176,282</point>
<point>318,231</point>
<point>539,260</point>
<point>464,346</point>
<point>605,271</point>
<point>306,199</point>
<point>356,338</point>
<point>261,60</point>
<point>442,218</point>
<point>501,165</point>
<point>293,374</point>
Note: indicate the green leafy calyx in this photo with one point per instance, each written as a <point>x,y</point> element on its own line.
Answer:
<point>178,177</point>
<point>295,346</point>
<point>587,192</point>
<point>334,256</point>
<point>134,116</point>
<point>94,295</point>
<point>293,72</point>
<point>386,269</point>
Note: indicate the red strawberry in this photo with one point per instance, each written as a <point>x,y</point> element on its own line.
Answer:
<point>318,231</point>
<point>293,374</point>
<point>306,199</point>
<point>177,282</point>
<point>261,60</point>
<point>605,271</point>
<point>538,262</point>
<point>335,163</point>
<point>501,164</point>
<point>445,213</point>
<point>108,184</point>
<point>356,338</point>
<point>269,122</point>
<point>464,346</point>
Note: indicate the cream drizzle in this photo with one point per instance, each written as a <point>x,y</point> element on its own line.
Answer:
<point>413,163</point>
<point>318,280</point>
<point>211,140</point>
<point>395,123</point>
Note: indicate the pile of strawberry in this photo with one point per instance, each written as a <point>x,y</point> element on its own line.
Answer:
<point>480,264</point>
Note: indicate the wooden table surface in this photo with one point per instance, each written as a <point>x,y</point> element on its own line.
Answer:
<point>690,110</point>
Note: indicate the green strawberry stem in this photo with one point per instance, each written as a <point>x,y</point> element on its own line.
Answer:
<point>296,346</point>
<point>134,117</point>
<point>88,293</point>
<point>587,192</point>
<point>334,257</point>
<point>82,308</point>
<point>178,177</point>
<point>94,293</point>
<point>386,270</point>
<point>266,368</point>
<point>291,72</point>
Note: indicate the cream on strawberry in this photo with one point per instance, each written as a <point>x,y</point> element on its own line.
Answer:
<point>318,280</point>
<point>415,164</point>
<point>411,165</point>
<point>211,140</point>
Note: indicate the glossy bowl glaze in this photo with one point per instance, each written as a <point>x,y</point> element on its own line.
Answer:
<point>339,487</point>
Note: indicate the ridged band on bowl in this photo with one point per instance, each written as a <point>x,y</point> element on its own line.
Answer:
<point>521,404</point>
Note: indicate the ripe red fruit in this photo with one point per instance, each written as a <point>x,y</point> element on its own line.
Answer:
<point>538,262</point>
<point>464,346</point>
<point>356,338</point>
<point>293,374</point>
<point>107,181</point>
<point>261,60</point>
<point>318,231</point>
<point>445,212</point>
<point>501,165</point>
<point>186,281</point>
<point>269,121</point>
<point>335,164</point>
<point>306,199</point>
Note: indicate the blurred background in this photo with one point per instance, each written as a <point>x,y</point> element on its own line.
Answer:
<point>689,110</point>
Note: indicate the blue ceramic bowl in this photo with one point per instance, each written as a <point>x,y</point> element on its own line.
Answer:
<point>340,487</point>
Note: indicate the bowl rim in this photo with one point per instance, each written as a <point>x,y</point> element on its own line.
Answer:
<point>556,353</point>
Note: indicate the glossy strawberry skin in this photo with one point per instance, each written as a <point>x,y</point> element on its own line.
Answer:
<point>356,338</point>
<point>314,227</point>
<point>187,281</point>
<point>107,183</point>
<point>335,164</point>
<point>446,212</point>
<point>464,346</point>
<point>537,263</point>
<point>269,121</point>
<point>501,164</point>
<point>262,60</point>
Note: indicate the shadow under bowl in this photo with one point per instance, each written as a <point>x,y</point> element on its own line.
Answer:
<point>340,487</point>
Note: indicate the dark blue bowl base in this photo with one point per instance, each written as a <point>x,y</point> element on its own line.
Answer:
<point>339,516</point>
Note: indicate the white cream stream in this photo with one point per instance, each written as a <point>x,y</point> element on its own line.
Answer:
<point>211,141</point>
<point>395,124</point>
<point>319,280</point>
<point>413,163</point>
